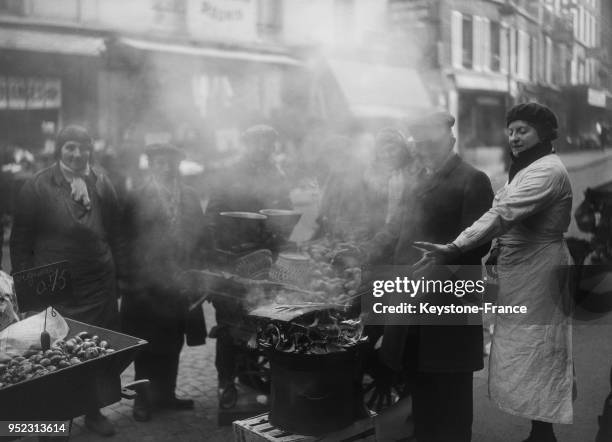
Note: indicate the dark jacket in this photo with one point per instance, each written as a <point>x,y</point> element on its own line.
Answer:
<point>440,208</point>
<point>49,227</point>
<point>153,307</point>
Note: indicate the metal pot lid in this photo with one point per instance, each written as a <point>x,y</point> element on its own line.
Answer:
<point>244,215</point>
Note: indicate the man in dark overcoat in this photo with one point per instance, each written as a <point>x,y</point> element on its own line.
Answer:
<point>166,234</point>
<point>252,184</point>
<point>440,359</point>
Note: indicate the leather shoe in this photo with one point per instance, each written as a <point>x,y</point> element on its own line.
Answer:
<point>141,411</point>
<point>98,423</point>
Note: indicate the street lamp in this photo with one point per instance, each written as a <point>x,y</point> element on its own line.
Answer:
<point>506,11</point>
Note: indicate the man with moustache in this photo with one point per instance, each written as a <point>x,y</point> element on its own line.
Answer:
<point>439,360</point>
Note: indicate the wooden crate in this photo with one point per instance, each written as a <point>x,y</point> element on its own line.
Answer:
<point>259,429</point>
<point>247,406</point>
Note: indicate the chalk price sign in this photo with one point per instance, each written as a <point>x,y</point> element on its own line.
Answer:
<point>41,287</point>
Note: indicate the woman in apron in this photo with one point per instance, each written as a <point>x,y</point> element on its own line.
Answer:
<point>530,368</point>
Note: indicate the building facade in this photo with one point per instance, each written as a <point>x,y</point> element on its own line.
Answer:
<point>485,55</point>
<point>192,71</point>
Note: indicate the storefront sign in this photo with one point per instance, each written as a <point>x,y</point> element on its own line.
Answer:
<point>223,19</point>
<point>30,93</point>
<point>596,98</point>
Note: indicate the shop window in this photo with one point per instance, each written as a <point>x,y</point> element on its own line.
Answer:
<point>495,46</point>
<point>15,7</point>
<point>468,42</point>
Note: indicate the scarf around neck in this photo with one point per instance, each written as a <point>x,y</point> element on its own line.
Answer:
<point>527,157</point>
<point>78,186</point>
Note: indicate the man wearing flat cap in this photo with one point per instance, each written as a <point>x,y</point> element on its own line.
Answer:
<point>438,359</point>
<point>252,184</point>
<point>166,234</point>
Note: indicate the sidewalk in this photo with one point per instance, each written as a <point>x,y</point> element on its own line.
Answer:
<point>575,161</point>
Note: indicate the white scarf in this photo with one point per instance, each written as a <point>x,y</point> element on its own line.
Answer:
<point>77,183</point>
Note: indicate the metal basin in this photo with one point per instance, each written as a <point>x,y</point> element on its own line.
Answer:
<point>238,228</point>
<point>281,222</point>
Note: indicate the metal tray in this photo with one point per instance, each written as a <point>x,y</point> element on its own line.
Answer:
<point>74,390</point>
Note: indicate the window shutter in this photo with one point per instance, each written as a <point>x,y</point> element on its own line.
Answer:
<point>503,56</point>
<point>486,44</point>
<point>456,39</point>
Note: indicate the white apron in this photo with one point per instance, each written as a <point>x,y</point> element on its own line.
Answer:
<point>531,368</point>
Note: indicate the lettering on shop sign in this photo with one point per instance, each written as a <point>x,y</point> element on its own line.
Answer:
<point>217,13</point>
<point>40,287</point>
<point>30,93</point>
<point>222,20</point>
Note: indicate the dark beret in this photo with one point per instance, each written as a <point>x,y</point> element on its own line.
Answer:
<point>73,133</point>
<point>537,115</point>
<point>165,149</point>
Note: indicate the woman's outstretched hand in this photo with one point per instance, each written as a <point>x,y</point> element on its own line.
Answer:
<point>433,254</point>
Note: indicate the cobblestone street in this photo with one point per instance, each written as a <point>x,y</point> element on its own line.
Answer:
<point>197,380</point>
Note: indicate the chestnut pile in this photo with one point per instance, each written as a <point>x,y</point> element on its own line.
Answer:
<point>35,363</point>
<point>324,278</point>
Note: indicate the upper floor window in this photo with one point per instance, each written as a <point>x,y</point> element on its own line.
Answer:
<point>467,41</point>
<point>496,54</point>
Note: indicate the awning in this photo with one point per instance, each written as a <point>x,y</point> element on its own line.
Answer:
<point>380,90</point>
<point>54,42</point>
<point>200,51</point>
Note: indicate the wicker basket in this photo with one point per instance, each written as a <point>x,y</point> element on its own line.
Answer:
<point>293,269</point>
<point>255,265</point>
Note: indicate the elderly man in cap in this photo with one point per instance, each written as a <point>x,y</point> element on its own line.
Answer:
<point>252,184</point>
<point>439,359</point>
<point>166,234</point>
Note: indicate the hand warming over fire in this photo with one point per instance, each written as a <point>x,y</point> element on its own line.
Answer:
<point>434,254</point>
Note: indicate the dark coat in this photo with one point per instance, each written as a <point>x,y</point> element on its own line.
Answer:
<point>440,208</point>
<point>49,226</point>
<point>153,306</point>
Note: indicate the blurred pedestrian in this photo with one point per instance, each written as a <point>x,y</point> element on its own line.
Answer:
<point>344,214</point>
<point>393,172</point>
<point>253,184</point>
<point>531,368</point>
<point>69,212</point>
<point>166,234</point>
<point>438,360</point>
